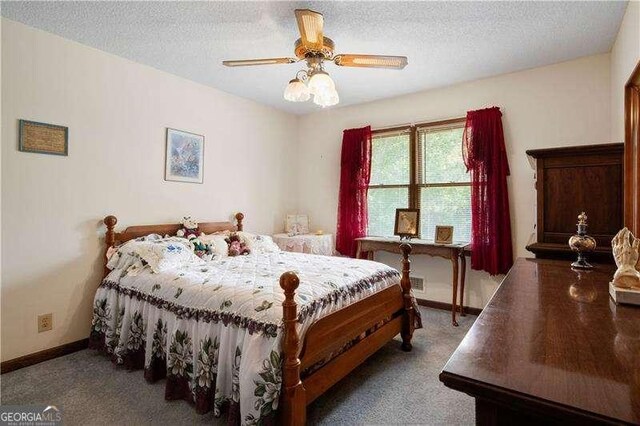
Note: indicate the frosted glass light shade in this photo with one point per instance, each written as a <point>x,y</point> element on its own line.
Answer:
<point>296,91</point>
<point>327,98</point>
<point>320,82</point>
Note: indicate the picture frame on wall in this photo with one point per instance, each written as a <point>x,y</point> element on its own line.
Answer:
<point>444,234</point>
<point>43,138</point>
<point>184,156</point>
<point>407,223</point>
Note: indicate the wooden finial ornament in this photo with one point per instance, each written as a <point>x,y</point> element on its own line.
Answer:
<point>239,218</point>
<point>294,406</point>
<point>110,237</point>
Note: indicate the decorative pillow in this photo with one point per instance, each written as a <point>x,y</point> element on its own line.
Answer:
<point>247,238</point>
<point>117,258</point>
<point>265,244</point>
<point>258,243</point>
<point>121,258</point>
<point>161,254</point>
<point>218,244</point>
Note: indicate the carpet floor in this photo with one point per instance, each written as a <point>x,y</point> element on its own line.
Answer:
<point>391,387</point>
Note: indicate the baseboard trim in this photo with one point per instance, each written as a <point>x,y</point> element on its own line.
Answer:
<point>45,355</point>
<point>446,306</point>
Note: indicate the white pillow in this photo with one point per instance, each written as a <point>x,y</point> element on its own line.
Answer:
<point>265,244</point>
<point>247,238</point>
<point>121,257</point>
<point>162,254</point>
<point>259,243</point>
<point>218,243</point>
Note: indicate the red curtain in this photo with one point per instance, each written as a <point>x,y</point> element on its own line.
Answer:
<point>354,183</point>
<point>485,157</point>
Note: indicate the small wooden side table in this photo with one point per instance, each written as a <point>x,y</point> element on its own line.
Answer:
<point>456,253</point>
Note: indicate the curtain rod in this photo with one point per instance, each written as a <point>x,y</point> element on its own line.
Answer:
<point>423,123</point>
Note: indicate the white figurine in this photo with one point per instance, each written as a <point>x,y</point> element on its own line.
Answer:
<point>626,253</point>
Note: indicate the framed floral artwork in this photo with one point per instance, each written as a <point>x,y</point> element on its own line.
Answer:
<point>184,157</point>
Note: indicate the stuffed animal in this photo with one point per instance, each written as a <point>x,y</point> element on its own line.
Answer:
<point>237,247</point>
<point>202,250</point>
<point>189,229</point>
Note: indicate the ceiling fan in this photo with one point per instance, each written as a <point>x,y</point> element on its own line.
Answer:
<point>314,48</point>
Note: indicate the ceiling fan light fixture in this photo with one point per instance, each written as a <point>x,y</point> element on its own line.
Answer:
<point>320,82</point>
<point>316,50</point>
<point>327,98</point>
<point>296,91</point>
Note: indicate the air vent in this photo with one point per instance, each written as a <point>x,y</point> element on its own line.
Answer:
<point>417,283</point>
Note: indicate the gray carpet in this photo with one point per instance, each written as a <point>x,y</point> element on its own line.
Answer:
<point>391,387</point>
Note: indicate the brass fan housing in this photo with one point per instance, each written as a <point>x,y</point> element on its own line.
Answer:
<point>326,51</point>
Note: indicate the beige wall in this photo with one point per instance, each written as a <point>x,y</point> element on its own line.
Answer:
<point>558,105</point>
<point>624,57</point>
<point>117,112</point>
<point>1,127</point>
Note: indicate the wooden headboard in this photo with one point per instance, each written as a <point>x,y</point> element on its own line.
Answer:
<point>112,237</point>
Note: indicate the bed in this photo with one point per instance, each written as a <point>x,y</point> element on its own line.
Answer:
<point>215,330</point>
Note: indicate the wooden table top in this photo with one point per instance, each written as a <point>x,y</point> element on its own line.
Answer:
<point>553,336</point>
<point>413,241</point>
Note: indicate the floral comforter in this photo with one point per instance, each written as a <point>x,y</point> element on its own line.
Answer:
<point>213,329</point>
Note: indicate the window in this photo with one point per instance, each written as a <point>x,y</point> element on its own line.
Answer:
<point>420,167</point>
<point>390,180</point>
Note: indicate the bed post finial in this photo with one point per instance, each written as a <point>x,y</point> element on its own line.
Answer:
<point>294,402</point>
<point>239,217</point>
<point>405,282</point>
<point>110,237</point>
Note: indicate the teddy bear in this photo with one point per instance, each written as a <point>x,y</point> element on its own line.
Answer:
<point>189,229</point>
<point>237,247</point>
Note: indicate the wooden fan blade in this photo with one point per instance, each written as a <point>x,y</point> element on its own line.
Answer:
<point>266,61</point>
<point>311,25</point>
<point>371,61</point>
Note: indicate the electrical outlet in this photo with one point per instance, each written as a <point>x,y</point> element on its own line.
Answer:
<point>45,322</point>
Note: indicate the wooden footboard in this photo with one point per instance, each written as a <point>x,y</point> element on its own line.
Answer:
<point>333,332</point>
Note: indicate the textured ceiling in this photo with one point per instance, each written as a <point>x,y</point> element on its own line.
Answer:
<point>446,42</point>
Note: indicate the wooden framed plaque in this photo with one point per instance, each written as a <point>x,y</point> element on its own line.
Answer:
<point>43,138</point>
<point>444,234</point>
<point>407,223</point>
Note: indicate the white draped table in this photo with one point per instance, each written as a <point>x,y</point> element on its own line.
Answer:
<point>306,243</point>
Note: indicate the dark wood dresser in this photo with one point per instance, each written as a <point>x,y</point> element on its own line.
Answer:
<point>570,180</point>
<point>549,348</point>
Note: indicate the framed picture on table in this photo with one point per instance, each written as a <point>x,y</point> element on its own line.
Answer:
<point>297,224</point>
<point>407,223</point>
<point>444,234</point>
